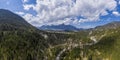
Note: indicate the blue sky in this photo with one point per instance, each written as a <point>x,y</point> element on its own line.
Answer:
<point>79,13</point>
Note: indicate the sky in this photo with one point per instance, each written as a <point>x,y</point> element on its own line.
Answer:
<point>79,13</point>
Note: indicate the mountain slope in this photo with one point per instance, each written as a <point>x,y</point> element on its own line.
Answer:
<point>112,25</point>
<point>107,46</point>
<point>9,20</point>
<point>18,39</point>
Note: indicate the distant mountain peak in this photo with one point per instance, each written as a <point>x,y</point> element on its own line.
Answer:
<point>61,27</point>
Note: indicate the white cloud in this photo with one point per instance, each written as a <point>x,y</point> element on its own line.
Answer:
<point>116,13</point>
<point>27,7</point>
<point>119,2</point>
<point>33,19</point>
<point>20,13</point>
<point>62,11</point>
<point>24,1</point>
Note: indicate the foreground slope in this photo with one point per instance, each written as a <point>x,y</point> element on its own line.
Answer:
<point>18,39</point>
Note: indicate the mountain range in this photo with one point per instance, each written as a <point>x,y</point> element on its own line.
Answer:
<point>61,27</point>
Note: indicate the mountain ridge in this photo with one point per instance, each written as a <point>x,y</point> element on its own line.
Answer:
<point>111,25</point>
<point>12,21</point>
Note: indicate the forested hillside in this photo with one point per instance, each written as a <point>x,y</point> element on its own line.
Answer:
<point>100,43</point>
<point>21,41</point>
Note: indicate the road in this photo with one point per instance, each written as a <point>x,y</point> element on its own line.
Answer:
<point>71,46</point>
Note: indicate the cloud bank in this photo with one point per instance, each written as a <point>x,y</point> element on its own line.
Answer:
<point>68,11</point>
<point>116,13</point>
